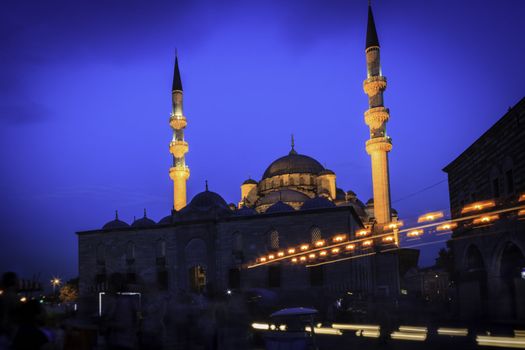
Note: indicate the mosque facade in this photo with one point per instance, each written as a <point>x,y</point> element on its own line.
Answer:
<point>209,246</point>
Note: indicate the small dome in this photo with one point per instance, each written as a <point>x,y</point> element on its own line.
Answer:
<point>279,207</point>
<point>370,202</point>
<point>316,203</point>
<point>326,172</point>
<point>340,194</point>
<point>208,199</point>
<point>285,195</point>
<point>170,219</point>
<point>143,222</point>
<point>245,211</point>
<point>250,182</point>
<point>293,163</point>
<point>113,224</point>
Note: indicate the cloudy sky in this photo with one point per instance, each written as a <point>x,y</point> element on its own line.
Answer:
<point>85,101</point>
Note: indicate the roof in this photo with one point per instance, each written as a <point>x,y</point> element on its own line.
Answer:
<point>250,181</point>
<point>293,163</point>
<point>116,223</point>
<point>510,113</point>
<point>317,202</point>
<point>279,207</point>
<point>371,32</point>
<point>293,311</point>
<point>284,195</point>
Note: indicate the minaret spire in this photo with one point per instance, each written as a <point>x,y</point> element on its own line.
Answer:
<point>292,151</point>
<point>376,118</point>
<point>179,172</point>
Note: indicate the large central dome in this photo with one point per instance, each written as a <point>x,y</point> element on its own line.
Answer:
<point>293,163</point>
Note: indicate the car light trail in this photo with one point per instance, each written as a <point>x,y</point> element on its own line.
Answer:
<point>503,342</point>
<point>324,330</point>
<point>455,332</point>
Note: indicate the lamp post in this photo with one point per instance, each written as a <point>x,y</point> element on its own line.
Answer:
<point>55,282</point>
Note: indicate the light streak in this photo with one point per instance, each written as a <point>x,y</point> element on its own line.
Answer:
<point>455,332</point>
<point>294,260</point>
<point>340,238</point>
<point>394,225</point>
<point>446,226</point>
<point>280,254</point>
<point>362,233</point>
<point>291,251</point>
<point>341,259</point>
<point>304,247</point>
<point>430,216</point>
<point>324,330</point>
<point>504,342</point>
<point>413,329</point>
<point>356,327</point>
<point>522,198</point>
<point>477,206</point>
<point>350,247</point>
<point>320,243</point>
<point>261,326</point>
<point>386,239</point>
<point>335,251</point>
<point>414,336</point>
<point>414,233</point>
<point>322,253</point>
<point>485,219</point>
<point>368,243</point>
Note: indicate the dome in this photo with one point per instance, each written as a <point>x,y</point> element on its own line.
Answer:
<point>317,202</point>
<point>293,163</point>
<point>143,222</point>
<point>115,224</point>
<point>167,220</point>
<point>250,182</point>
<point>285,195</point>
<point>326,172</point>
<point>245,211</point>
<point>340,194</point>
<point>208,199</point>
<point>279,207</point>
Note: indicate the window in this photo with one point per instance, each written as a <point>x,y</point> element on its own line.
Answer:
<point>101,255</point>
<point>234,278</point>
<point>510,181</point>
<point>130,253</point>
<point>162,279</point>
<point>315,234</point>
<point>160,251</point>
<point>273,240</point>
<point>495,188</point>
<point>274,276</point>
<point>316,276</point>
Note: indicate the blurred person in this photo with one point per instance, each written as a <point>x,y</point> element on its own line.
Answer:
<point>9,301</point>
<point>120,317</point>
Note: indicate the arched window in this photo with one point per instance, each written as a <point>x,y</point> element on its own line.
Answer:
<point>101,254</point>
<point>160,252</point>
<point>508,175</point>
<point>315,234</point>
<point>130,253</point>
<point>495,182</point>
<point>273,239</point>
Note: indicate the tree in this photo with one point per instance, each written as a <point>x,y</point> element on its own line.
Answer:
<point>68,293</point>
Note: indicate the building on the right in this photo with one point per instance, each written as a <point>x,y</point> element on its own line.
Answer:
<point>487,201</point>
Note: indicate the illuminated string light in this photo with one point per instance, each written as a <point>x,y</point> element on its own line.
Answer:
<point>280,254</point>
<point>394,225</point>
<point>447,226</point>
<point>320,243</point>
<point>385,239</point>
<point>322,253</point>
<point>291,251</point>
<point>340,238</point>
<point>335,251</point>
<point>414,233</point>
<point>522,198</point>
<point>485,219</point>
<point>350,247</point>
<point>305,247</point>
<point>294,260</point>
<point>302,258</point>
<point>311,256</point>
<point>430,216</point>
<point>521,212</point>
<point>477,206</point>
<point>367,243</point>
<point>271,257</point>
<point>362,233</point>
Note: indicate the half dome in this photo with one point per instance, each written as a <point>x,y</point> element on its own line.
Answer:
<point>316,203</point>
<point>279,207</point>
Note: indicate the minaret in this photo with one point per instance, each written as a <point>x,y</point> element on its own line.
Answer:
<point>376,118</point>
<point>179,172</point>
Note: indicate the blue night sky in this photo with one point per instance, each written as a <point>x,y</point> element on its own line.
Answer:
<point>85,99</point>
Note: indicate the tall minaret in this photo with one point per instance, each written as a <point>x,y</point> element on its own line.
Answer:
<point>179,172</point>
<point>376,117</point>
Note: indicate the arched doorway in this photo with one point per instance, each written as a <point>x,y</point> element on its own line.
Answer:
<point>195,256</point>
<point>474,290</point>
<point>511,263</point>
<point>197,279</point>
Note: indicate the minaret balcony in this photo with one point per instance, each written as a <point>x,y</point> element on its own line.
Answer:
<point>374,85</point>
<point>179,172</point>
<point>178,148</point>
<point>376,117</point>
<point>381,144</point>
<point>178,122</point>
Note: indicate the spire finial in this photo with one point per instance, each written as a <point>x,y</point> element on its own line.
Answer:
<point>292,151</point>
<point>116,214</point>
<point>371,32</point>
<point>177,82</point>
<point>144,212</point>
<point>206,182</point>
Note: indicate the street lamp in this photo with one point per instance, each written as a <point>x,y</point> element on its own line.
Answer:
<point>55,282</point>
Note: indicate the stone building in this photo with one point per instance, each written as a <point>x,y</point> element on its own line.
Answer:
<point>209,246</point>
<point>487,186</point>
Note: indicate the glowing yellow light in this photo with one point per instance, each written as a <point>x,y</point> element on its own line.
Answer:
<point>388,239</point>
<point>335,250</point>
<point>478,206</point>
<point>23,299</point>
<point>430,216</point>
<point>414,233</point>
<point>339,238</point>
<point>367,243</point>
<point>409,336</point>
<point>304,247</point>
<point>271,256</point>
<point>282,327</point>
<point>505,342</point>
<point>272,327</point>
<point>454,332</point>
<point>362,233</point>
<point>262,259</point>
<point>294,260</point>
<point>311,256</point>
<point>370,334</point>
<point>521,212</point>
<point>447,226</point>
<point>1,292</point>
<point>302,258</point>
<point>291,251</point>
<point>320,243</point>
<point>394,225</point>
<point>413,329</point>
<point>356,327</point>
<point>519,333</point>
<point>322,253</point>
<point>321,330</point>
<point>485,219</point>
<point>280,254</point>
<point>350,246</point>
<point>522,198</point>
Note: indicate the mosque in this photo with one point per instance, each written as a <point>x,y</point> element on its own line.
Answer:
<point>207,245</point>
